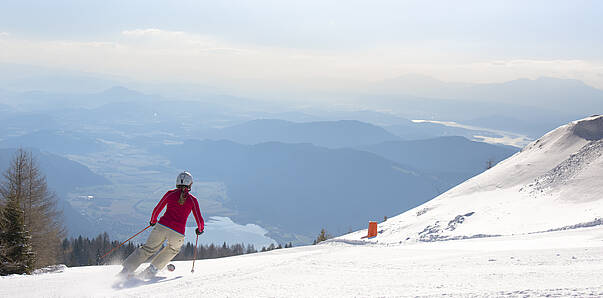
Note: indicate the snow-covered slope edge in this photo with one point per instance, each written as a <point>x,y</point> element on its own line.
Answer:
<point>554,183</point>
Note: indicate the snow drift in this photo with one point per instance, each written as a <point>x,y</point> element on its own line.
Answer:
<point>554,183</point>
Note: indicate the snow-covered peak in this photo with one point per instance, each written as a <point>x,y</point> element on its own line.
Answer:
<point>553,183</point>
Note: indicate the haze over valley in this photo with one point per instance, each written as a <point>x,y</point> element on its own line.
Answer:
<point>251,161</point>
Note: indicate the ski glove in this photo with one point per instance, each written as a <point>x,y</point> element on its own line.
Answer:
<point>198,232</point>
<point>151,223</point>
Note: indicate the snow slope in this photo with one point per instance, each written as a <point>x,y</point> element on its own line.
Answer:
<point>562,263</point>
<point>554,183</point>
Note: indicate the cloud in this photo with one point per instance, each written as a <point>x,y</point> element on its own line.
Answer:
<point>499,63</point>
<point>155,54</point>
<point>150,31</point>
<point>153,38</point>
<point>4,34</point>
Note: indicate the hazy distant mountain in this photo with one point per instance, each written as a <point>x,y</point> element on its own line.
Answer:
<point>572,98</point>
<point>548,92</point>
<point>61,103</point>
<point>451,159</point>
<point>540,105</point>
<point>60,142</point>
<point>420,86</point>
<point>302,188</point>
<point>19,123</point>
<point>315,115</point>
<point>332,134</point>
<point>117,110</point>
<point>552,92</point>
<point>537,119</point>
<point>368,116</point>
<point>120,93</point>
<point>61,173</point>
<point>20,78</point>
<point>292,115</point>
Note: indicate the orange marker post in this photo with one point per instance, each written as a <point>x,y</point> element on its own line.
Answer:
<point>372,230</point>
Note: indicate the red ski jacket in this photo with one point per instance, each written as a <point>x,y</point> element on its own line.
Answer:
<point>176,215</point>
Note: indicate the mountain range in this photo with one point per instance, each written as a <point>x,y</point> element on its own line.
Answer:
<point>446,158</point>
<point>530,106</point>
<point>331,134</point>
<point>542,91</point>
<point>55,141</point>
<point>280,185</point>
<point>301,188</point>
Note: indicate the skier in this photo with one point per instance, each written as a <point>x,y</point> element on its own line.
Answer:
<point>171,227</point>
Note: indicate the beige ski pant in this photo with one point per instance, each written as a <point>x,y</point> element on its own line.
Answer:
<point>159,234</point>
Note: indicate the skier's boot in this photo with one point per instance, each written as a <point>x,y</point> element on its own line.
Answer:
<point>150,272</point>
<point>124,273</point>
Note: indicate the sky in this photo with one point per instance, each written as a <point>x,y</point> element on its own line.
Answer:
<point>319,45</point>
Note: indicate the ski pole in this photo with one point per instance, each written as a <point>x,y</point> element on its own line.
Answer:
<point>195,255</point>
<point>124,242</point>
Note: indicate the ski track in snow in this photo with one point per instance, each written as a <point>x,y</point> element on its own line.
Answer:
<point>563,263</point>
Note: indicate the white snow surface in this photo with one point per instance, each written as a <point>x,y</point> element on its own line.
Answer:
<point>562,263</point>
<point>544,205</point>
<point>555,182</point>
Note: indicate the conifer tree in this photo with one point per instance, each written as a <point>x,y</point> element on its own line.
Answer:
<point>16,255</point>
<point>322,236</point>
<point>24,181</point>
<point>250,249</point>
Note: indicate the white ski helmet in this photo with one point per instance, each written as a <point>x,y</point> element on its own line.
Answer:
<point>185,178</point>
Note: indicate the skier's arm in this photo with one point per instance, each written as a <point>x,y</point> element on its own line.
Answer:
<point>197,215</point>
<point>158,208</point>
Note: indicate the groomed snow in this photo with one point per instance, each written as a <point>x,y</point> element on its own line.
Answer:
<point>562,263</point>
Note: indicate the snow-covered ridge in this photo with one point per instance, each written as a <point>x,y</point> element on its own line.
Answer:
<point>590,128</point>
<point>554,183</point>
